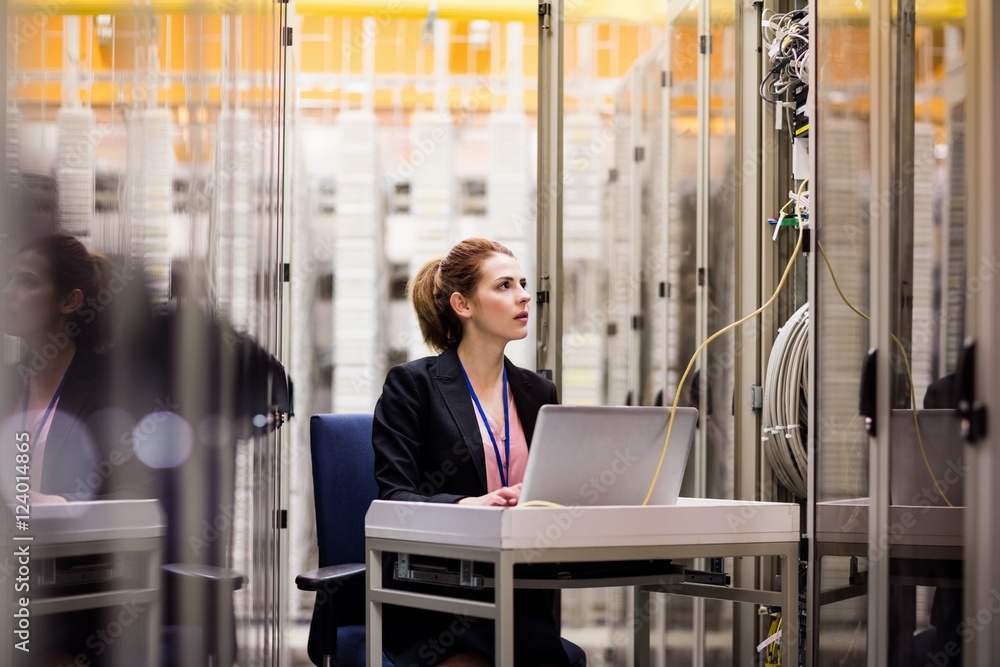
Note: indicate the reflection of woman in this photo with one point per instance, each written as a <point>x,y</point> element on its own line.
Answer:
<point>455,429</point>
<point>56,302</point>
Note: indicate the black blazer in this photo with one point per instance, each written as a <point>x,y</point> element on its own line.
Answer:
<point>426,437</point>
<point>88,450</point>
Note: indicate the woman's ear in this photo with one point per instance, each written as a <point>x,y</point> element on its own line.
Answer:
<point>460,305</point>
<point>71,302</point>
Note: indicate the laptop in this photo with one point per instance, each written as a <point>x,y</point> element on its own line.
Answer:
<point>584,455</point>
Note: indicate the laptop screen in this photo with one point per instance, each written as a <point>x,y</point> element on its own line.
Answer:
<point>938,451</point>
<point>607,455</point>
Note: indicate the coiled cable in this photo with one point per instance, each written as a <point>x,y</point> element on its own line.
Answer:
<point>785,407</point>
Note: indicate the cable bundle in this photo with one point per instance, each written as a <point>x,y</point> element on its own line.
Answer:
<point>786,42</point>
<point>772,653</point>
<point>785,407</point>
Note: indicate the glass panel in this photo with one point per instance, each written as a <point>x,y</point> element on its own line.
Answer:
<point>926,474</point>
<point>156,141</point>
<point>590,144</point>
<point>682,183</point>
<point>717,364</point>
<point>623,268</point>
<point>620,388</point>
<point>841,221</point>
<point>651,249</point>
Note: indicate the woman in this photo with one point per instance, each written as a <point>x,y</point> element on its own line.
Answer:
<point>57,301</point>
<point>455,428</point>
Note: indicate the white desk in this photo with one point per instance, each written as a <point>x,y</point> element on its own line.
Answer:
<point>925,541</point>
<point>915,532</point>
<point>504,537</point>
<point>125,534</point>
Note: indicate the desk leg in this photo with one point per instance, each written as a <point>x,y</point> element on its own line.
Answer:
<point>153,630</point>
<point>154,611</point>
<point>790,610</point>
<point>373,613</point>
<point>641,614</point>
<point>504,601</point>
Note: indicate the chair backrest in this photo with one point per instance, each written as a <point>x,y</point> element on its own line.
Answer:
<point>343,465</point>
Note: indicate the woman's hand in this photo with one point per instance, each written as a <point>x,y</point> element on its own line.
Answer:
<point>42,498</point>
<point>503,497</point>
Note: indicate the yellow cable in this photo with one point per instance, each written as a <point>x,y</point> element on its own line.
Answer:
<point>909,375</point>
<point>680,384</point>
<point>777,644</point>
<point>772,653</point>
<point>538,503</point>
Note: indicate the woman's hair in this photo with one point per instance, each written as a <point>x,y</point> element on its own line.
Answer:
<point>458,271</point>
<point>72,266</point>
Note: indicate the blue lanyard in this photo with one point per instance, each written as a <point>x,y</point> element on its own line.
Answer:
<point>501,463</point>
<point>48,410</point>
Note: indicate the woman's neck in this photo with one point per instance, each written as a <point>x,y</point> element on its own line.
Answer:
<point>48,363</point>
<point>483,363</point>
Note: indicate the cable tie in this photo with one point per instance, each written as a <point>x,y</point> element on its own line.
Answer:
<point>776,637</point>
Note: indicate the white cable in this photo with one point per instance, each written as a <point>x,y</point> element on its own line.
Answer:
<point>786,42</point>
<point>785,407</point>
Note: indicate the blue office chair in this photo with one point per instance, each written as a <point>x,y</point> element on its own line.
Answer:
<point>344,486</point>
<point>343,465</point>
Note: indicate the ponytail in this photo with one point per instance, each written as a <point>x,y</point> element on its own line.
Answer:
<point>438,322</point>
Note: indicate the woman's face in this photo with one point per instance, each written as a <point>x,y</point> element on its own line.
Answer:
<point>30,303</point>
<point>499,306</point>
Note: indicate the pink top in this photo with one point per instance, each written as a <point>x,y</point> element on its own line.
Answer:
<point>40,435</point>
<point>518,448</point>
